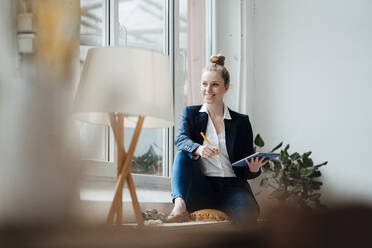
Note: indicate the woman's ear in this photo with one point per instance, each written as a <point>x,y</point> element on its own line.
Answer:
<point>227,87</point>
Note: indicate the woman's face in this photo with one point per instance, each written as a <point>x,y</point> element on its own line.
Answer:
<point>212,87</point>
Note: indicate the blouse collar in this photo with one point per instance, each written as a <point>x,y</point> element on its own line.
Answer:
<point>226,112</point>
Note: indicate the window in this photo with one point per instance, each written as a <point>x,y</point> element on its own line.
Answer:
<point>158,25</point>
<point>93,138</point>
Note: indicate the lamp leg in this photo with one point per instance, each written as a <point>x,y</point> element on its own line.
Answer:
<point>124,174</point>
<point>120,160</point>
<point>136,206</point>
<point>117,125</point>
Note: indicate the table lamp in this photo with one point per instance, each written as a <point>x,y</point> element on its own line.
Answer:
<point>124,86</point>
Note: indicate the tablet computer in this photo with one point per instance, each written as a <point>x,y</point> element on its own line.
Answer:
<point>242,163</point>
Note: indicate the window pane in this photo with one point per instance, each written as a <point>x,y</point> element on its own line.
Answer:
<point>93,143</point>
<point>91,22</point>
<point>148,156</point>
<point>142,24</point>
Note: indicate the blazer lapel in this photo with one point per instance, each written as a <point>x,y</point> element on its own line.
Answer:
<point>202,124</point>
<point>230,133</point>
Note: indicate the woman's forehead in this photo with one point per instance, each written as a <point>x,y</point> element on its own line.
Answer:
<point>210,76</point>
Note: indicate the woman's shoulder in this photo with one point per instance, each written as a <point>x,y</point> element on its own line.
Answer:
<point>237,115</point>
<point>192,108</point>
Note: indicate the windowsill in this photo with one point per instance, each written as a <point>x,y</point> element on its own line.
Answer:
<point>99,181</point>
<point>97,193</point>
<point>105,192</point>
<point>148,188</point>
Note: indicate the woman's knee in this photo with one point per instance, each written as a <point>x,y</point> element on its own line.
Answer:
<point>182,155</point>
<point>182,159</point>
<point>182,164</point>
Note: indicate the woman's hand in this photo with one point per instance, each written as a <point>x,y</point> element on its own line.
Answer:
<point>256,163</point>
<point>206,151</point>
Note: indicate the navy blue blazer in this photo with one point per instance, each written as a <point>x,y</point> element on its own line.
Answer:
<point>238,132</point>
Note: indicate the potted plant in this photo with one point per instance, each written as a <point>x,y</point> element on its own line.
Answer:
<point>292,178</point>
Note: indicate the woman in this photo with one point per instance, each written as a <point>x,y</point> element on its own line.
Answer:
<point>202,174</point>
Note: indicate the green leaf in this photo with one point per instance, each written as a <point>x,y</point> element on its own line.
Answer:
<point>315,185</point>
<point>258,141</point>
<point>300,163</point>
<point>303,171</point>
<point>310,171</point>
<point>277,165</point>
<point>284,157</point>
<point>308,162</point>
<point>277,147</point>
<point>295,156</point>
<point>315,174</point>
<point>306,155</point>
<point>320,165</point>
<point>286,148</point>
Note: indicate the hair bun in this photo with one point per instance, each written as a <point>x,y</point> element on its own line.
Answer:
<point>218,59</point>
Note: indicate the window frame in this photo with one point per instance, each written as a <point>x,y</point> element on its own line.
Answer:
<point>99,170</point>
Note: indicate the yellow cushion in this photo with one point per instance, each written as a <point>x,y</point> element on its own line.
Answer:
<point>209,215</point>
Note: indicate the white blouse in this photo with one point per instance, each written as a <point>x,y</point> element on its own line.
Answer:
<point>216,166</point>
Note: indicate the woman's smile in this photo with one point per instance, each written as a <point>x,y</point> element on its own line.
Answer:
<point>212,87</point>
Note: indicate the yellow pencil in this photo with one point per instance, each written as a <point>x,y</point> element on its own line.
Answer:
<point>206,140</point>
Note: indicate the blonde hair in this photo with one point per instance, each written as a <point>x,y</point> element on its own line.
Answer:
<point>217,63</point>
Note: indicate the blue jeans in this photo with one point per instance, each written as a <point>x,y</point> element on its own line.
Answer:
<point>229,194</point>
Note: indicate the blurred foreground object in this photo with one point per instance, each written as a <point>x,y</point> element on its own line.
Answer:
<point>58,32</point>
<point>342,227</point>
<point>39,170</point>
<point>120,87</point>
<point>345,225</point>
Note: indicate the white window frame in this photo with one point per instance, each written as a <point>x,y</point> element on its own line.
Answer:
<point>210,28</point>
<point>106,170</point>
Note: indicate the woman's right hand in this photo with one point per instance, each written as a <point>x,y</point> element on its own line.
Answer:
<point>206,151</point>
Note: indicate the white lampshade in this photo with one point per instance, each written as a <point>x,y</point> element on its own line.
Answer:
<point>127,80</point>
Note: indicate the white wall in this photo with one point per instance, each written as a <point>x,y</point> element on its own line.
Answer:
<point>233,36</point>
<point>313,76</point>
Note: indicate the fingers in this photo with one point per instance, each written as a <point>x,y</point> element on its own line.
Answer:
<point>257,161</point>
<point>261,159</point>
<point>209,151</point>
<point>266,160</point>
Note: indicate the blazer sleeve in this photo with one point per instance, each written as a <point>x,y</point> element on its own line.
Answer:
<point>247,149</point>
<point>183,140</point>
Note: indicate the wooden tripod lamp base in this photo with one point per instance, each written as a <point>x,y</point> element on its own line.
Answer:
<point>123,169</point>
<point>113,82</point>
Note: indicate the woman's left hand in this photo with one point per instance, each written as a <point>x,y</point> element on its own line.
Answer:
<point>256,163</point>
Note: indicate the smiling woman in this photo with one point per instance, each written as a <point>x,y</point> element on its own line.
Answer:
<point>203,177</point>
